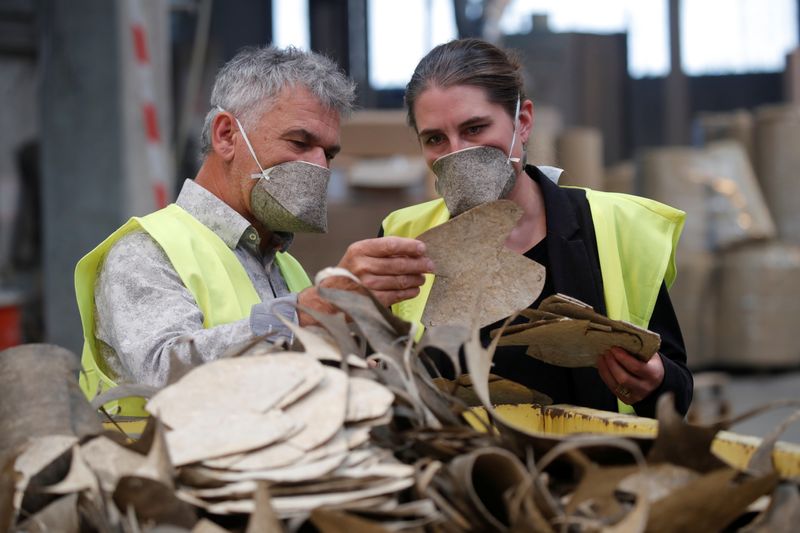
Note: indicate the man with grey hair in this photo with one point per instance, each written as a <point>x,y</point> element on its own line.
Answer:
<point>185,283</point>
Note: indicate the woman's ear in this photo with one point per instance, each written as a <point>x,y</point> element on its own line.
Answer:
<point>525,120</point>
<point>222,131</point>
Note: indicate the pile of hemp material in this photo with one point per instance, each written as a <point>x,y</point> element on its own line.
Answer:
<point>420,458</point>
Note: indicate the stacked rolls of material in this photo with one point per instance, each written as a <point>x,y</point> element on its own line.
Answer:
<point>778,166</point>
<point>676,176</point>
<point>693,297</point>
<point>580,154</point>
<point>735,125</point>
<point>759,305</point>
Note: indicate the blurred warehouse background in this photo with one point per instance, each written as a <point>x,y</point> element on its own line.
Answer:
<point>692,102</point>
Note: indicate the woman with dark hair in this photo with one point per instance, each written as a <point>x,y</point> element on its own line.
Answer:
<point>466,103</point>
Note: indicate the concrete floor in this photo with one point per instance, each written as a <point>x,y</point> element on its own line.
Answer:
<point>745,391</point>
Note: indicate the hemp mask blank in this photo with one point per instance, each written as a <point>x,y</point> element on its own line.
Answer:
<point>473,176</point>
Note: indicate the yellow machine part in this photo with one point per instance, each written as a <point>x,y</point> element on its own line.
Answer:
<point>732,448</point>
<point>132,427</point>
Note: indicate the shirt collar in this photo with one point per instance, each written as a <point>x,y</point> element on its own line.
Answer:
<point>562,217</point>
<point>213,213</point>
<point>223,220</point>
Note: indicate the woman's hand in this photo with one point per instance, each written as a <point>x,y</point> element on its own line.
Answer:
<point>628,378</point>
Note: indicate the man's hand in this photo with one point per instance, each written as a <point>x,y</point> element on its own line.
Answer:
<point>391,267</point>
<point>628,378</point>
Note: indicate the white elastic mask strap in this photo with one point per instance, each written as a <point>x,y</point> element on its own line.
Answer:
<point>249,146</point>
<point>514,136</point>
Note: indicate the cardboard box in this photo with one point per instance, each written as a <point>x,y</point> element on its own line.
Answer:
<point>374,133</point>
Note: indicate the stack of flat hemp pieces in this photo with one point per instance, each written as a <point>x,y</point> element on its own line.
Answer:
<point>566,332</point>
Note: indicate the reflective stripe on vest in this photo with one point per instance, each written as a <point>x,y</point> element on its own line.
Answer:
<point>636,241</point>
<point>207,267</point>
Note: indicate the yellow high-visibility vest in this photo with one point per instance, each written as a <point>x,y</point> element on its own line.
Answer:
<point>207,267</point>
<point>636,242</point>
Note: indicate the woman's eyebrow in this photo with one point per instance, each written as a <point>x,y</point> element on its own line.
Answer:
<point>469,122</point>
<point>474,120</point>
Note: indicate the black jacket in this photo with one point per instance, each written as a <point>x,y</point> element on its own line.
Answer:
<point>574,269</point>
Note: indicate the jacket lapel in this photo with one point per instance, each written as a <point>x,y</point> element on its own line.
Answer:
<point>573,263</point>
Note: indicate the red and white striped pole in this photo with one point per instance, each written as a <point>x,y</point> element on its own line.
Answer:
<point>144,80</point>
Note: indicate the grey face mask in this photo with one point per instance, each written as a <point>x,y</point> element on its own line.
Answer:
<point>470,177</point>
<point>291,196</point>
<point>473,176</point>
